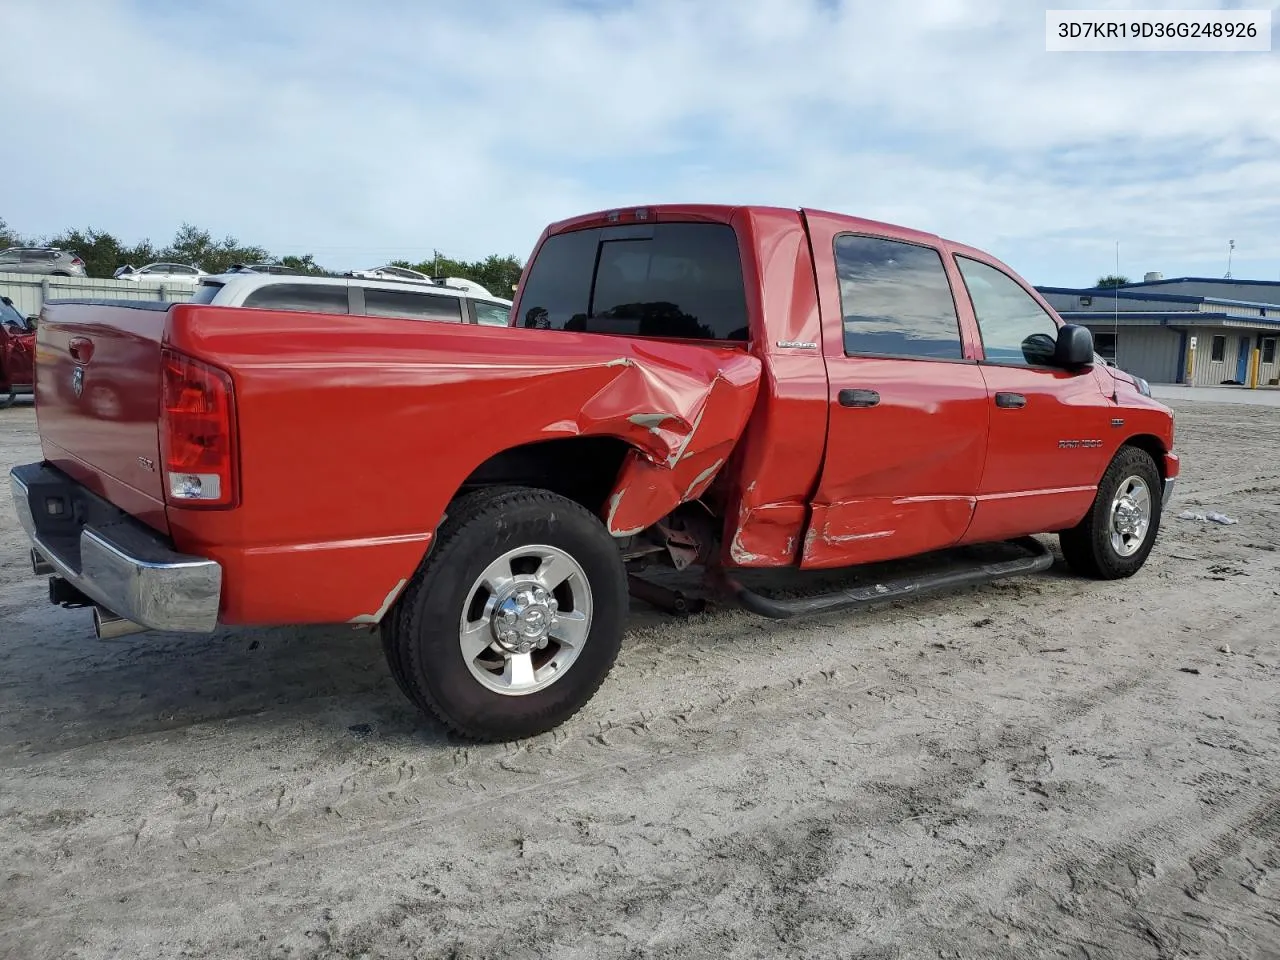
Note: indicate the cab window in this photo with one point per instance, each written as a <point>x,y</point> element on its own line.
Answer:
<point>895,300</point>
<point>679,280</point>
<point>1015,329</point>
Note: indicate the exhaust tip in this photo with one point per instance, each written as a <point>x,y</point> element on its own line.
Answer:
<point>109,626</point>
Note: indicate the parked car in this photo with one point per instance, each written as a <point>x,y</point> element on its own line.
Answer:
<point>163,272</point>
<point>17,353</point>
<point>351,295</point>
<point>738,387</point>
<point>46,260</point>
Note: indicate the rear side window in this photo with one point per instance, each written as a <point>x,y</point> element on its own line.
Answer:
<point>406,303</point>
<point>312,298</point>
<point>205,292</point>
<point>492,314</point>
<point>660,280</point>
<point>896,300</point>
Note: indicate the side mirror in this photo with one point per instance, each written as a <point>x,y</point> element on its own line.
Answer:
<point>32,321</point>
<point>1074,348</point>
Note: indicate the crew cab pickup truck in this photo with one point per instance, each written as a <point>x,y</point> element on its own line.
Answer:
<point>736,387</point>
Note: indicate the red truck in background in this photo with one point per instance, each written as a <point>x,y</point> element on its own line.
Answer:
<point>17,353</point>
<point>741,387</point>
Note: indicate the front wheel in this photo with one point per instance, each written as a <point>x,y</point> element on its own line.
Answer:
<point>516,618</point>
<point>7,396</point>
<point>1115,537</point>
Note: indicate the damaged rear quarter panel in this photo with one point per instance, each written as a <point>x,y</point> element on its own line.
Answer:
<point>692,416</point>
<point>356,432</point>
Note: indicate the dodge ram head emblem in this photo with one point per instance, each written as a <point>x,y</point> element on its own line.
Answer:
<point>77,382</point>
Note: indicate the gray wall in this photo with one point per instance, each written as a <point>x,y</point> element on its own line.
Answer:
<point>1210,374</point>
<point>1148,352</point>
<point>1267,292</point>
<point>29,291</point>
<point>1107,305</point>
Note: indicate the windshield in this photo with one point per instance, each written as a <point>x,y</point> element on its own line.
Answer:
<point>10,316</point>
<point>206,291</point>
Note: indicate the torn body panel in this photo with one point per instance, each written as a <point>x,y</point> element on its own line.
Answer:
<point>778,462</point>
<point>683,450</point>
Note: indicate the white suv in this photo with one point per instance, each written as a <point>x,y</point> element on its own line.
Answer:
<point>356,295</point>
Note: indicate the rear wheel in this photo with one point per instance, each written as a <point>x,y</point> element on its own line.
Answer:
<point>1116,536</point>
<point>7,398</point>
<point>516,618</point>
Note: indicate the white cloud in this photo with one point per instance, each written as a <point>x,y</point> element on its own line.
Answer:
<point>362,135</point>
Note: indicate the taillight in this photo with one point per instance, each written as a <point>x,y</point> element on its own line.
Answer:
<point>76,261</point>
<point>197,432</point>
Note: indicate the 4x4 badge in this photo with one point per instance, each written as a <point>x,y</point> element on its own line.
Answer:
<point>77,382</point>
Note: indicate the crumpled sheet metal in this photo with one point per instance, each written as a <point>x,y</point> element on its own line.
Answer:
<point>682,420</point>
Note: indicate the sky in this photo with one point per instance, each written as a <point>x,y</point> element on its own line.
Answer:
<point>379,130</point>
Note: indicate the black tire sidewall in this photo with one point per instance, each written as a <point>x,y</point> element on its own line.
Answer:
<point>435,662</point>
<point>1129,462</point>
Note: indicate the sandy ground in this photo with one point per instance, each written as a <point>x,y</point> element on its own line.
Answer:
<point>1259,396</point>
<point>1039,768</point>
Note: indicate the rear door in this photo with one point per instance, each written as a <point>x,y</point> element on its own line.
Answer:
<point>38,261</point>
<point>1049,440</point>
<point>908,410</point>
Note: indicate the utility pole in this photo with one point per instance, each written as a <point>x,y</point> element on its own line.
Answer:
<point>1231,246</point>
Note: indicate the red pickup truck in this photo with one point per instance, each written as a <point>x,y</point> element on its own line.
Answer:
<point>739,387</point>
<point>17,353</point>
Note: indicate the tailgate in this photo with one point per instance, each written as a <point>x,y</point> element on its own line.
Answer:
<point>98,399</point>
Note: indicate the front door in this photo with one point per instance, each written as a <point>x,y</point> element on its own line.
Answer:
<point>907,410</point>
<point>1050,428</point>
<point>1242,361</point>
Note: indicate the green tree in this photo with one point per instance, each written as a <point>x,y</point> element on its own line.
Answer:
<point>304,264</point>
<point>103,253</point>
<point>9,237</point>
<point>1111,281</point>
<point>498,275</point>
<point>195,246</point>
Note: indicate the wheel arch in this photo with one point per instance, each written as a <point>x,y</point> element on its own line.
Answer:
<point>1152,445</point>
<point>584,469</point>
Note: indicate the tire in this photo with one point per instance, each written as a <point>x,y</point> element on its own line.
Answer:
<point>1097,547</point>
<point>6,399</point>
<point>504,552</point>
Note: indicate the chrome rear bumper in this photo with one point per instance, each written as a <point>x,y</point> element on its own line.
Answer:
<point>110,557</point>
<point>1168,490</point>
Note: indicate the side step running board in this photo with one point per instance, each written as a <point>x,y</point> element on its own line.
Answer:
<point>1041,559</point>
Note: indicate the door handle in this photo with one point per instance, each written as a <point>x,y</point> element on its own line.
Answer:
<point>81,349</point>
<point>1010,401</point>
<point>859,398</point>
